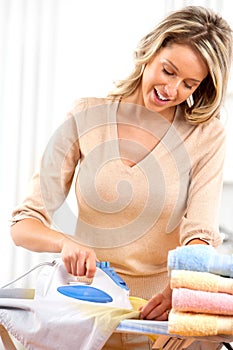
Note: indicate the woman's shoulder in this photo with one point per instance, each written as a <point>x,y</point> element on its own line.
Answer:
<point>215,127</point>
<point>207,135</point>
<point>215,124</point>
<point>83,103</point>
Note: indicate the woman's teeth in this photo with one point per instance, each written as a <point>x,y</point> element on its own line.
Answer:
<point>161,97</point>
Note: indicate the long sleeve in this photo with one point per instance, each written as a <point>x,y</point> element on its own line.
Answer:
<point>204,197</point>
<point>51,183</point>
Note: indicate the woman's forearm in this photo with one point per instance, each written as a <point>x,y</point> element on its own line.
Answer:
<point>34,235</point>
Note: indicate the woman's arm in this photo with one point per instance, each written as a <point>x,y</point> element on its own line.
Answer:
<point>34,235</point>
<point>201,220</point>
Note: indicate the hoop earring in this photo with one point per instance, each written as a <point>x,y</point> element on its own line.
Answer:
<point>190,101</point>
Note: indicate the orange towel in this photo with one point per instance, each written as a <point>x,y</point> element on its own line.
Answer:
<point>192,325</point>
<point>205,281</point>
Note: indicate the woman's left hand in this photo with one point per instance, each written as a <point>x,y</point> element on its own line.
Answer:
<point>158,306</point>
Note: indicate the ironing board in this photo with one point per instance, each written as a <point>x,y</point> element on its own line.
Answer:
<point>128,326</point>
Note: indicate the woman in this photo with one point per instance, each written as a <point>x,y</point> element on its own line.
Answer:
<point>150,160</point>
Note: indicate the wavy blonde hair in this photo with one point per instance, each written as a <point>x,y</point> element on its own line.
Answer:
<point>209,34</point>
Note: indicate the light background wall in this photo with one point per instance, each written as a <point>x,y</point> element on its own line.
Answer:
<point>52,52</point>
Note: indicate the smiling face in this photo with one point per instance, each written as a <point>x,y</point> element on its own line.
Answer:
<point>170,78</point>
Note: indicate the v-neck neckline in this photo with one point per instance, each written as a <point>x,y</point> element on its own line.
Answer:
<point>154,150</point>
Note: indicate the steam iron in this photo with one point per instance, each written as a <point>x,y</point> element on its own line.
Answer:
<point>106,287</point>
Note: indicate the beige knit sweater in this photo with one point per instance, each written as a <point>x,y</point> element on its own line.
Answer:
<point>132,215</point>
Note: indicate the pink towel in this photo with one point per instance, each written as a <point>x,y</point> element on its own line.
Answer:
<point>184,299</point>
<point>206,281</point>
<point>191,325</point>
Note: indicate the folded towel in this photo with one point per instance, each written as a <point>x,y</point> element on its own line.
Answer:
<point>190,324</point>
<point>200,257</point>
<point>184,299</point>
<point>205,281</point>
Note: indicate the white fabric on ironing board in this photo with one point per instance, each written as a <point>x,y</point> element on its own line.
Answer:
<point>60,325</point>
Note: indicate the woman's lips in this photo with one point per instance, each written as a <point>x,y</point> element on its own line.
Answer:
<point>159,98</point>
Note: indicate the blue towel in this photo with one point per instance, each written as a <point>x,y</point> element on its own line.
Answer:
<point>200,257</point>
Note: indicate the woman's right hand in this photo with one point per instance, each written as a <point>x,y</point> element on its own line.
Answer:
<point>32,234</point>
<point>78,260</point>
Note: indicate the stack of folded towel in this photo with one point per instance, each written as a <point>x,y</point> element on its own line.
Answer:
<point>202,291</point>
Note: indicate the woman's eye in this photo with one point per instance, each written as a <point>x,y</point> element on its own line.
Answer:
<point>188,86</point>
<point>167,72</point>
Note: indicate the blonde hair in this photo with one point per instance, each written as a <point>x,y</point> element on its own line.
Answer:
<point>209,34</point>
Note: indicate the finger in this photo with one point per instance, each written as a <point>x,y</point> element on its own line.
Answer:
<point>81,264</point>
<point>151,306</point>
<point>154,314</point>
<point>67,265</point>
<point>163,317</point>
<point>91,265</point>
<point>70,263</point>
<point>155,309</point>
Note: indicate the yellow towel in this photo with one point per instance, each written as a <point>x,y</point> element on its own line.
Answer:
<point>201,281</point>
<point>190,324</point>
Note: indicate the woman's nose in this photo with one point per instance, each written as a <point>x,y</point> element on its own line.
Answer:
<point>171,89</point>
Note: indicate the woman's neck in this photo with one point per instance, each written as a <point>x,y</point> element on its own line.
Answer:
<point>137,99</point>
